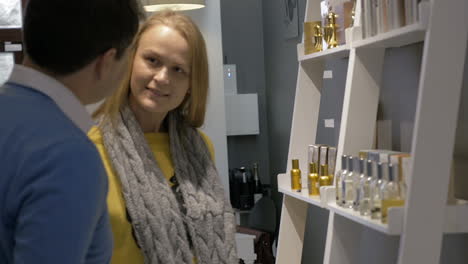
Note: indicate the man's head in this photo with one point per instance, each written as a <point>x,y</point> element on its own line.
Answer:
<point>91,37</point>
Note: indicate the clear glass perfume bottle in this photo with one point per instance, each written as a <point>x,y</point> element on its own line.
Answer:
<point>357,183</point>
<point>338,180</point>
<point>364,191</point>
<point>390,192</point>
<point>349,193</point>
<point>375,190</point>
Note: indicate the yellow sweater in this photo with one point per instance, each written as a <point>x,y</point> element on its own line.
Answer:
<point>125,247</point>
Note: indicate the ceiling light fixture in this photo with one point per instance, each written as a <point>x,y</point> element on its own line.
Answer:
<point>178,5</point>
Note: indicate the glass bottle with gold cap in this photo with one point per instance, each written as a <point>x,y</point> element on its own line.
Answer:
<point>296,176</point>
<point>313,179</point>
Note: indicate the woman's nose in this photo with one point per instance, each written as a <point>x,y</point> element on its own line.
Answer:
<point>162,75</point>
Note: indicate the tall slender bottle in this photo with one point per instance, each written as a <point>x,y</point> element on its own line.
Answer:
<point>375,190</point>
<point>349,193</point>
<point>365,184</point>
<point>296,176</point>
<point>338,180</point>
<point>258,190</point>
<point>390,192</point>
<point>357,183</point>
<point>313,179</point>
<point>324,179</point>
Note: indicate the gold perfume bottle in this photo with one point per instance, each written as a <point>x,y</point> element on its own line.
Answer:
<point>313,180</point>
<point>330,31</point>
<point>312,37</point>
<point>324,179</point>
<point>318,38</point>
<point>296,176</point>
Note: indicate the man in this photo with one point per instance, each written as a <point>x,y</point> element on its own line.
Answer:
<point>52,184</point>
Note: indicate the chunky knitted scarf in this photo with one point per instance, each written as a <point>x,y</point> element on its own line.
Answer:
<point>166,227</point>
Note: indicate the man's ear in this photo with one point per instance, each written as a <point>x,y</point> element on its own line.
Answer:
<point>103,63</point>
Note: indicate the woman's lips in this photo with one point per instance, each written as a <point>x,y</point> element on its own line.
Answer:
<point>157,93</point>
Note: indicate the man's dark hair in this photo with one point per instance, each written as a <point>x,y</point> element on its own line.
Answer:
<point>63,36</point>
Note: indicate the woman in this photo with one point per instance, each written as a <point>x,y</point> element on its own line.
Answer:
<point>166,201</point>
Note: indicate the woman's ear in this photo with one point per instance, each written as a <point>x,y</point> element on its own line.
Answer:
<point>104,63</point>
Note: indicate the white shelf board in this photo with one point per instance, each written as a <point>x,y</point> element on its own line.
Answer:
<point>395,219</point>
<point>11,27</point>
<point>338,52</point>
<point>455,218</point>
<point>285,187</point>
<point>395,38</point>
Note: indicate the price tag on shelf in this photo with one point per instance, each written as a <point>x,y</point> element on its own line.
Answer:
<point>13,47</point>
<point>328,74</point>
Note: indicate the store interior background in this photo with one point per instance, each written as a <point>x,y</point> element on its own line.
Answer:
<point>253,39</point>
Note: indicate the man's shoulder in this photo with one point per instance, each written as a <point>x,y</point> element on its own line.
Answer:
<point>31,115</point>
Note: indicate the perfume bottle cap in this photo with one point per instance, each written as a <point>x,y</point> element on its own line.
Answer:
<point>392,172</point>
<point>295,164</point>
<point>362,167</point>
<point>331,18</point>
<point>350,163</point>
<point>344,162</point>
<point>379,171</point>
<point>370,168</point>
<point>310,153</point>
<point>312,167</point>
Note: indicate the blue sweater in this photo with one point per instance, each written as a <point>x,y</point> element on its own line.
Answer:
<point>52,185</point>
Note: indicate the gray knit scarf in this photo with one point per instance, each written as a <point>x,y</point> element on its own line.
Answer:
<point>162,223</point>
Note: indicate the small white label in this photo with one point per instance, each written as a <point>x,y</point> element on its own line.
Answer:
<point>327,74</point>
<point>13,47</point>
<point>330,123</point>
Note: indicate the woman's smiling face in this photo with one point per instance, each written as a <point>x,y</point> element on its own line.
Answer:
<point>161,71</point>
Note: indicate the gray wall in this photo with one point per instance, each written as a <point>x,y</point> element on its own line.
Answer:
<point>243,45</point>
<point>281,74</point>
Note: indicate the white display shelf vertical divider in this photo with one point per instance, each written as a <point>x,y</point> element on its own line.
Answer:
<point>356,132</point>
<point>303,131</point>
<point>434,134</point>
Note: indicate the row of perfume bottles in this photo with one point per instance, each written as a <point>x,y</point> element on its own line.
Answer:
<point>369,187</point>
<point>321,165</point>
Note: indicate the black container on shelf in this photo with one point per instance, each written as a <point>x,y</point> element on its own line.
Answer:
<point>241,188</point>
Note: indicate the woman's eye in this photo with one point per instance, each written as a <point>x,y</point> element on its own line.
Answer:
<point>153,60</point>
<point>179,70</point>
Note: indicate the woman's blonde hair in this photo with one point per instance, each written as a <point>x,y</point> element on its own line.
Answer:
<point>194,105</point>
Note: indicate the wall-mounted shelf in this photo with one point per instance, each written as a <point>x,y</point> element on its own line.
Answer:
<point>338,52</point>
<point>285,187</point>
<point>395,219</point>
<point>455,215</point>
<point>426,213</point>
<point>396,38</point>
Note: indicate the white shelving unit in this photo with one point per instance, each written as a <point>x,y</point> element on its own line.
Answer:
<point>423,220</point>
<point>338,52</point>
